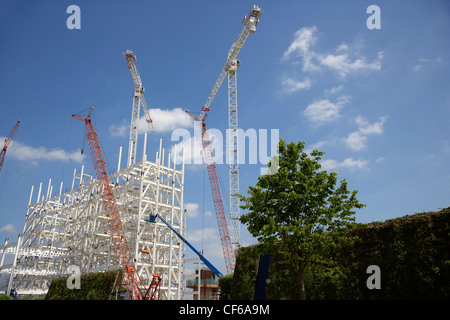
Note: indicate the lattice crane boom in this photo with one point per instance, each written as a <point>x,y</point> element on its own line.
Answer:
<point>138,101</point>
<point>6,144</point>
<point>118,236</point>
<point>250,22</point>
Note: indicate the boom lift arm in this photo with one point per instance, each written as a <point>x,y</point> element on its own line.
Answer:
<point>202,258</point>
<point>6,144</point>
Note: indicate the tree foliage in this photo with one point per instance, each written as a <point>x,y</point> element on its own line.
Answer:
<point>300,210</point>
<point>94,286</point>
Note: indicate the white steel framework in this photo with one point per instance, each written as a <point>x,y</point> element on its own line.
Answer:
<point>71,229</point>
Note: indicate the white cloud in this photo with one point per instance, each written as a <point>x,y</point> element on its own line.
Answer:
<point>344,65</point>
<point>191,209</point>
<point>424,61</point>
<point>357,140</point>
<point>348,163</point>
<point>366,128</point>
<point>291,85</point>
<point>341,62</point>
<point>333,90</point>
<point>9,228</point>
<point>324,111</point>
<point>119,130</point>
<point>208,234</point>
<point>342,47</point>
<point>304,39</point>
<point>163,121</point>
<point>21,151</point>
<point>166,120</point>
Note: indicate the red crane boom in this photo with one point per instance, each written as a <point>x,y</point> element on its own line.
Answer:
<point>217,198</point>
<point>118,236</point>
<point>5,146</point>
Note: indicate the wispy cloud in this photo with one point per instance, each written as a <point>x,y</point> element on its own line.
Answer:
<point>426,61</point>
<point>192,210</point>
<point>209,234</point>
<point>301,46</point>
<point>343,64</point>
<point>22,151</point>
<point>333,90</point>
<point>340,61</point>
<point>324,111</point>
<point>291,85</point>
<point>120,130</point>
<point>349,163</point>
<point>357,140</point>
<point>9,228</point>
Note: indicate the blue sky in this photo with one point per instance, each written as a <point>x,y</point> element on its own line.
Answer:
<point>376,101</point>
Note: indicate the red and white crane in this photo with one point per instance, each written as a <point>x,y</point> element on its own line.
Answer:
<point>6,144</point>
<point>250,22</point>
<point>118,237</point>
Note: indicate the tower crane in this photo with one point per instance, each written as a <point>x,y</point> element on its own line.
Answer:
<point>138,101</point>
<point>118,237</point>
<point>249,22</point>
<point>6,144</point>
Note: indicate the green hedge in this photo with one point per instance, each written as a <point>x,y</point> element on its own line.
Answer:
<point>413,253</point>
<point>93,286</point>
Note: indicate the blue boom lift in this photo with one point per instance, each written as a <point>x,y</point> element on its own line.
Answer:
<point>204,260</point>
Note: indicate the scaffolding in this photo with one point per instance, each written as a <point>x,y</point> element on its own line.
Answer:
<point>71,229</point>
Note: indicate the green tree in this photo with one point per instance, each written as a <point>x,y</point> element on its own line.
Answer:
<point>225,283</point>
<point>299,212</point>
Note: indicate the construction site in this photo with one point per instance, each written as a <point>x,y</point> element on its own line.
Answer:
<point>132,219</point>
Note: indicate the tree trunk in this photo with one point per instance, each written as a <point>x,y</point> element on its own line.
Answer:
<point>301,280</point>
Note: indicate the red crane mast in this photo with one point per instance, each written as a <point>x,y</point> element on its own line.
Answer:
<point>5,146</point>
<point>217,198</point>
<point>118,236</point>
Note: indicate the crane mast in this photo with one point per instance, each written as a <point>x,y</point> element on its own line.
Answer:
<point>138,101</point>
<point>250,22</point>
<point>6,144</point>
<point>233,167</point>
<point>118,236</point>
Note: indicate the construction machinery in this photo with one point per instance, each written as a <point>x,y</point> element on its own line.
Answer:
<point>249,22</point>
<point>138,101</point>
<point>6,144</point>
<point>117,233</point>
<point>152,219</point>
